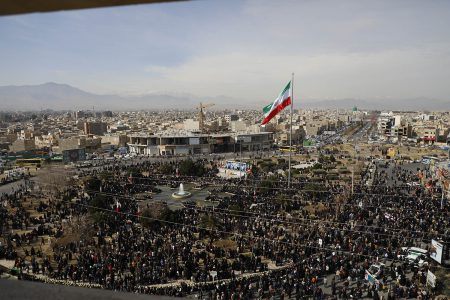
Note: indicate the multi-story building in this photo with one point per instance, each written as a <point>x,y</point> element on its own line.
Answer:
<point>391,125</point>
<point>170,143</point>
<point>119,140</point>
<point>22,145</point>
<point>96,128</point>
<point>80,114</point>
<point>229,118</point>
<point>8,137</point>
<point>118,127</point>
<point>237,126</point>
<point>25,134</point>
<point>107,114</point>
<point>187,143</point>
<point>261,141</point>
<point>44,141</point>
<point>78,142</point>
<point>298,134</point>
<point>427,134</point>
<point>191,125</point>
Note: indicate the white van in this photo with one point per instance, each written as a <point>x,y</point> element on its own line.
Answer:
<point>415,255</point>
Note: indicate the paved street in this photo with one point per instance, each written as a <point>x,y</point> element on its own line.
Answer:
<point>9,187</point>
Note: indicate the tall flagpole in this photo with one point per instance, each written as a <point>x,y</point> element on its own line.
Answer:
<point>290,131</point>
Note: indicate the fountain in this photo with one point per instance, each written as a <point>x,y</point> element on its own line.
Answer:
<point>181,194</point>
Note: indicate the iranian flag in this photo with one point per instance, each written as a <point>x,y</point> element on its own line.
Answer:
<point>283,100</point>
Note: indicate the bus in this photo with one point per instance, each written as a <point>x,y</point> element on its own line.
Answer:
<point>57,158</point>
<point>29,162</point>
<point>429,159</point>
<point>288,148</point>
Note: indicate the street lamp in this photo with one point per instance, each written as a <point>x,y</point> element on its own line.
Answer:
<point>240,157</point>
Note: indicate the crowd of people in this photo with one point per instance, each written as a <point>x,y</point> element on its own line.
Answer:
<point>258,242</point>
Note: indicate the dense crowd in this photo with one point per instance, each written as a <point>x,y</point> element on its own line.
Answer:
<point>279,242</point>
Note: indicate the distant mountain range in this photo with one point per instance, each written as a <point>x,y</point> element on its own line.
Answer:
<point>65,97</point>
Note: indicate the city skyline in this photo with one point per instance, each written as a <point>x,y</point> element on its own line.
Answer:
<point>151,150</point>
<point>57,96</point>
<point>241,50</point>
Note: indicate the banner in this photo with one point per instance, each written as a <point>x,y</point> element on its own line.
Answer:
<point>431,279</point>
<point>370,278</point>
<point>238,166</point>
<point>436,251</point>
<point>73,155</point>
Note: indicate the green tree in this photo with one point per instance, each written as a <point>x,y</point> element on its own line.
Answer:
<point>147,218</point>
<point>316,166</point>
<point>166,169</point>
<point>105,176</point>
<point>208,221</point>
<point>321,158</point>
<point>157,214</point>
<point>92,184</point>
<point>190,168</point>
<point>284,201</point>
<point>97,205</point>
<point>314,187</point>
<point>235,208</point>
<point>268,183</point>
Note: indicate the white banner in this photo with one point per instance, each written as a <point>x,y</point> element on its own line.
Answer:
<point>431,279</point>
<point>436,251</point>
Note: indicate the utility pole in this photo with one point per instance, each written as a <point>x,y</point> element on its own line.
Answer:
<point>240,158</point>
<point>353,176</point>
<point>290,131</point>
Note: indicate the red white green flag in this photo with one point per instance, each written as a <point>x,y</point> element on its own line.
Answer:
<point>283,100</point>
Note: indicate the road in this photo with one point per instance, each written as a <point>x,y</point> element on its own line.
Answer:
<point>390,174</point>
<point>10,187</point>
<point>361,135</point>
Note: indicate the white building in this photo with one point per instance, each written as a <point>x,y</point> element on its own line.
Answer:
<point>238,126</point>
<point>188,143</point>
<point>170,143</point>
<point>230,118</point>
<point>191,125</point>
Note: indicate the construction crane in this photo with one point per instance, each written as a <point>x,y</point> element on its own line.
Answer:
<point>201,115</point>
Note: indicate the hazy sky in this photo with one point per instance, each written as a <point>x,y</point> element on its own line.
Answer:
<point>241,49</point>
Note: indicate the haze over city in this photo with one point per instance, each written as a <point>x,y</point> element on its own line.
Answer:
<point>236,52</point>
